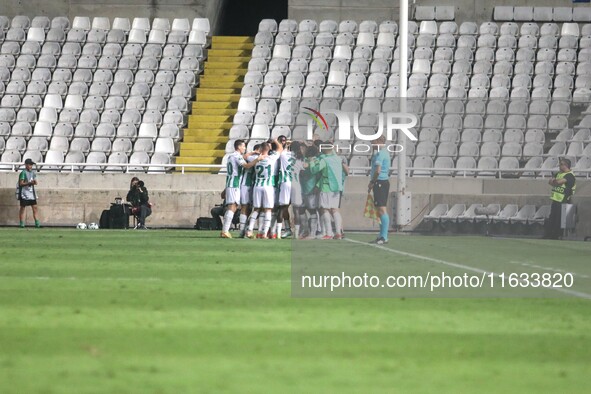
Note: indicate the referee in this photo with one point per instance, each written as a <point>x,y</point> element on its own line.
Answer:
<point>380,185</point>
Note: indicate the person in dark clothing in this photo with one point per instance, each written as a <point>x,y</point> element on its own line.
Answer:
<point>140,202</point>
<point>563,187</point>
<point>218,212</point>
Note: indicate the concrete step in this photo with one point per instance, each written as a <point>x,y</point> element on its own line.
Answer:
<point>211,118</point>
<point>202,91</point>
<point>200,132</point>
<point>233,59</point>
<point>222,65</point>
<point>222,78</point>
<point>228,52</point>
<point>218,97</point>
<point>232,46</point>
<point>199,170</point>
<point>201,138</point>
<point>214,111</point>
<point>214,104</point>
<point>198,124</point>
<point>197,160</point>
<point>221,85</point>
<point>205,153</point>
<point>202,146</point>
<point>225,71</point>
<point>231,40</point>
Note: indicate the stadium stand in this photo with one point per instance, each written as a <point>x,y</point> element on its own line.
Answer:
<point>462,218</point>
<point>498,98</point>
<point>97,93</point>
<point>492,98</point>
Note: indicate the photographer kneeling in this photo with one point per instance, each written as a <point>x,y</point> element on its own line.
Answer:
<point>140,202</point>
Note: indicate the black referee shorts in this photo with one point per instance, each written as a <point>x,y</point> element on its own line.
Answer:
<point>381,190</point>
<point>28,203</point>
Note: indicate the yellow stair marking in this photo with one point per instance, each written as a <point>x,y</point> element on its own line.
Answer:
<point>213,111</point>
<point>228,53</point>
<point>201,138</point>
<point>216,102</point>
<point>207,153</point>
<point>230,40</point>
<point>218,97</point>
<point>213,104</point>
<point>222,78</point>
<point>202,91</point>
<point>210,118</point>
<point>226,71</point>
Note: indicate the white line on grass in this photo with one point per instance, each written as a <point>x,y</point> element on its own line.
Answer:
<point>523,263</point>
<point>457,265</point>
<point>147,279</point>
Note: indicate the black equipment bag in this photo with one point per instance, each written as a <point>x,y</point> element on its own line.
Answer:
<point>118,216</point>
<point>205,223</point>
<point>104,221</point>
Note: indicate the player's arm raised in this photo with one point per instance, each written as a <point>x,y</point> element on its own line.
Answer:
<point>279,146</point>
<point>252,163</point>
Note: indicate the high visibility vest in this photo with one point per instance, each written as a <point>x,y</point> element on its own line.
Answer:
<point>558,194</point>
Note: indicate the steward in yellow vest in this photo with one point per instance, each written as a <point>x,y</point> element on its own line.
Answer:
<point>563,187</point>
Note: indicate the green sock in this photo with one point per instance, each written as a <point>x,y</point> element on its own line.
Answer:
<point>21,224</point>
<point>37,224</point>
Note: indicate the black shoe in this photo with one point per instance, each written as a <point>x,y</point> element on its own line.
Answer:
<point>379,241</point>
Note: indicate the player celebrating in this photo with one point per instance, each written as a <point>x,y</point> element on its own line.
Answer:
<point>246,190</point>
<point>330,166</point>
<point>263,194</point>
<point>309,185</point>
<point>286,164</point>
<point>236,164</point>
<point>297,203</point>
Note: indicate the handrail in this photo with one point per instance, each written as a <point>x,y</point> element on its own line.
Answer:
<point>464,172</point>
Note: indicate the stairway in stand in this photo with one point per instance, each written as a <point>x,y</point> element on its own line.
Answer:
<point>216,102</point>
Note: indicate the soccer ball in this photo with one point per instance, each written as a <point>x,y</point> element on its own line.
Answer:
<point>81,226</point>
<point>93,226</point>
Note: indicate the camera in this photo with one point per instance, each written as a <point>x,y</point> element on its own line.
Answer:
<point>140,184</point>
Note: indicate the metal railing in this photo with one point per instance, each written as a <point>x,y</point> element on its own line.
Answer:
<point>354,171</point>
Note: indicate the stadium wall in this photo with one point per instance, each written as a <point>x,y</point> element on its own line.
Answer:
<point>118,8</point>
<point>69,198</point>
<point>379,10</point>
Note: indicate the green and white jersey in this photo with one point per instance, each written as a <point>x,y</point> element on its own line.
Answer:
<point>265,171</point>
<point>298,167</point>
<point>331,169</point>
<point>26,192</point>
<point>235,169</point>
<point>308,179</point>
<point>286,167</point>
<point>248,173</point>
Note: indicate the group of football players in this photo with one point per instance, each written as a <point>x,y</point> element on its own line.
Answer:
<point>279,174</point>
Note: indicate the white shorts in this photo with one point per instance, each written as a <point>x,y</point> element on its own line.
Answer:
<point>245,195</point>
<point>233,195</point>
<point>285,193</point>
<point>296,195</point>
<point>329,200</point>
<point>311,201</point>
<point>263,197</point>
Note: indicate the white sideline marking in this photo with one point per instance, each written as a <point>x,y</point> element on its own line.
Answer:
<point>548,268</point>
<point>457,265</point>
<point>110,279</point>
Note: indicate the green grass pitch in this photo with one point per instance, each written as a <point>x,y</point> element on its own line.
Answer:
<point>183,311</point>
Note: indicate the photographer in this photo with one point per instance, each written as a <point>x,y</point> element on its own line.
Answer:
<point>139,200</point>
